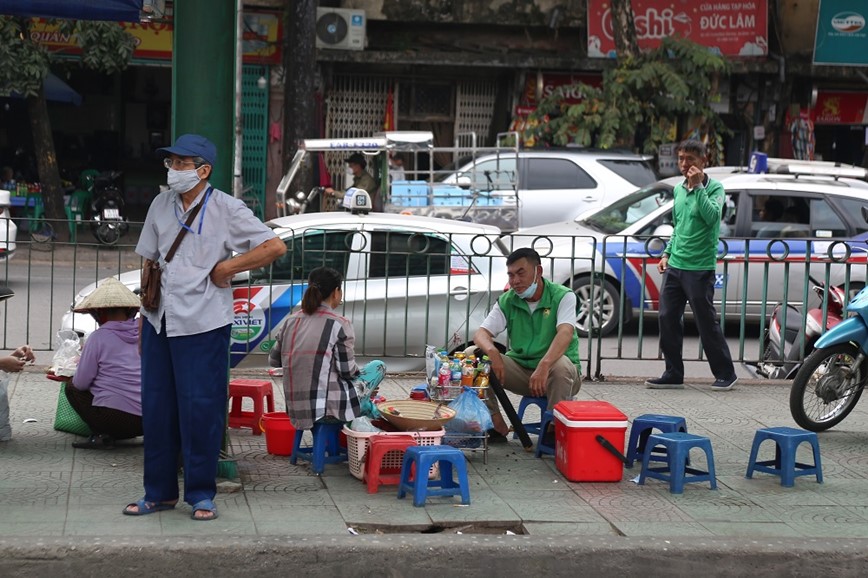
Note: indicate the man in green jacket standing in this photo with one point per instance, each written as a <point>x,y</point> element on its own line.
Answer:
<point>540,319</point>
<point>688,267</point>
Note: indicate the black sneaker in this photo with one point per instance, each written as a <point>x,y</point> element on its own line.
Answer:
<point>664,382</point>
<point>96,442</point>
<point>723,384</point>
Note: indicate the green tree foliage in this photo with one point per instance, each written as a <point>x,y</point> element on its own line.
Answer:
<point>640,99</point>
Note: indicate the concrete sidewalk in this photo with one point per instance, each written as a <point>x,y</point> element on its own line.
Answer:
<point>60,508</point>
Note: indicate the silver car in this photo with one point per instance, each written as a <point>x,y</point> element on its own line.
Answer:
<point>619,246</point>
<point>409,282</point>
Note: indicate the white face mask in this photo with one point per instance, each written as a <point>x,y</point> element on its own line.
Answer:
<point>182,181</point>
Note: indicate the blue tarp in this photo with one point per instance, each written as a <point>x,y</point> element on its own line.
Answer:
<point>117,10</point>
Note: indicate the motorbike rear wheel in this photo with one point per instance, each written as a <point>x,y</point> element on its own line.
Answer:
<point>108,233</point>
<point>827,387</point>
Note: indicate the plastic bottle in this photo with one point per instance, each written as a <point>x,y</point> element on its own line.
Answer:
<point>482,377</point>
<point>457,367</point>
<point>444,376</point>
<point>467,373</point>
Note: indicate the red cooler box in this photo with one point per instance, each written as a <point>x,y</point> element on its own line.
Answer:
<point>579,456</point>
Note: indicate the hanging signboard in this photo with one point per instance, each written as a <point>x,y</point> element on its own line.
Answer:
<point>840,108</point>
<point>842,35</point>
<point>260,43</point>
<point>737,28</point>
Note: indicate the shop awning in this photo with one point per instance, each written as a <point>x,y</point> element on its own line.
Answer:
<point>57,91</point>
<point>117,10</point>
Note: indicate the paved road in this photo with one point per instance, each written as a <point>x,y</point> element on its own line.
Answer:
<point>60,507</point>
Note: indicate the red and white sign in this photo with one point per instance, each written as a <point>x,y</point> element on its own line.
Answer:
<point>840,108</point>
<point>731,28</point>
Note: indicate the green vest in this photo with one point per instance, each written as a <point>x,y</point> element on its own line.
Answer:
<point>531,335</point>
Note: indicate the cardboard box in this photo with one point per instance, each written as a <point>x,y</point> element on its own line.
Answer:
<point>578,455</point>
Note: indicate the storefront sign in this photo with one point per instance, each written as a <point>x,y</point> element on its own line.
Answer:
<point>731,28</point>
<point>540,86</point>
<point>842,34</point>
<point>261,43</point>
<point>840,108</point>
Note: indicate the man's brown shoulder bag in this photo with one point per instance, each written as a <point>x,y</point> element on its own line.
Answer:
<point>152,273</point>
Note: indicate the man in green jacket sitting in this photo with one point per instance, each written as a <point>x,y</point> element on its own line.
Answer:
<point>539,317</point>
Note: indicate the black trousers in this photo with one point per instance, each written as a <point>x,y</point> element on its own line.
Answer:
<point>103,420</point>
<point>697,287</point>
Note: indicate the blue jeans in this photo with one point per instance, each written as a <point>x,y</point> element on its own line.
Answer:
<point>184,399</point>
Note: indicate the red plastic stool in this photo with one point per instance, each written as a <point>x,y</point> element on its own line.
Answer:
<point>255,389</point>
<point>376,472</point>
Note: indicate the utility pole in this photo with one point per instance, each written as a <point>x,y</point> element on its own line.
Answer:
<point>203,74</point>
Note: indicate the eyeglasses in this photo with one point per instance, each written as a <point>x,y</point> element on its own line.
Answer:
<point>176,164</point>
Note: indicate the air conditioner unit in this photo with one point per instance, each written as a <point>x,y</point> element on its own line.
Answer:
<point>340,28</point>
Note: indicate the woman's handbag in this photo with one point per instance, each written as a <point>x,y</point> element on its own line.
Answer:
<point>152,274</point>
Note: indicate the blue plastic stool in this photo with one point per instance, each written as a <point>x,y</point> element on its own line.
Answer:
<point>678,446</point>
<point>541,448</point>
<point>326,448</point>
<point>644,426</point>
<point>533,427</point>
<point>787,440</point>
<point>423,457</point>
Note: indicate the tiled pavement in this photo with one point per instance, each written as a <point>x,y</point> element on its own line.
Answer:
<point>48,489</point>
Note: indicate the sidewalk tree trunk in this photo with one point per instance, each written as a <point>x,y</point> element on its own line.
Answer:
<point>24,64</point>
<point>300,85</point>
<point>624,29</point>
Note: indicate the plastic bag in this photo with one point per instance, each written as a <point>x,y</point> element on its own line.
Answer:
<point>367,384</point>
<point>471,414</point>
<point>67,352</point>
<point>363,424</point>
<point>5,424</point>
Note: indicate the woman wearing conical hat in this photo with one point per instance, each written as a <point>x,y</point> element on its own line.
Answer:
<point>106,390</point>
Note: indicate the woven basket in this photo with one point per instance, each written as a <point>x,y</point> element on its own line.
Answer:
<point>358,444</point>
<point>415,415</point>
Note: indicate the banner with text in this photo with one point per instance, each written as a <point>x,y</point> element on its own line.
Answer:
<point>731,28</point>
<point>842,38</point>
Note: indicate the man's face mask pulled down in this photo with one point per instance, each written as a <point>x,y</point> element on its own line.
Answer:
<point>531,289</point>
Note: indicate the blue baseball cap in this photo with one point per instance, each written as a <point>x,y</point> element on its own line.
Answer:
<point>191,145</point>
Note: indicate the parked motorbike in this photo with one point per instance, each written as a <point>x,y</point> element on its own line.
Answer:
<point>108,223</point>
<point>782,350</point>
<point>299,204</point>
<point>830,381</point>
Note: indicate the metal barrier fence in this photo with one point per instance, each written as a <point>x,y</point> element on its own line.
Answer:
<point>408,288</point>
